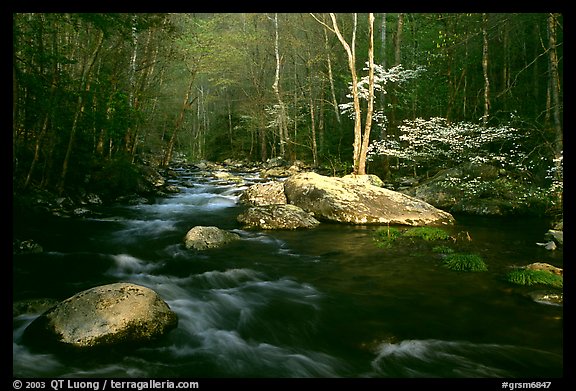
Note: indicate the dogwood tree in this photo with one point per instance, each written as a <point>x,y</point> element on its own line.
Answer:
<point>365,89</point>
<point>438,141</point>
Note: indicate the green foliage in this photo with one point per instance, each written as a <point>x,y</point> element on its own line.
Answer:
<point>534,277</point>
<point>427,233</point>
<point>465,262</point>
<point>385,236</point>
<point>126,95</point>
<point>116,177</point>
<point>512,195</point>
<point>443,250</point>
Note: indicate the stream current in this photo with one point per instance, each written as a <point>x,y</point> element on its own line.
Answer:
<point>324,302</point>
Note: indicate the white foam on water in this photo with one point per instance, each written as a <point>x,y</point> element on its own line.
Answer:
<point>213,307</point>
<point>127,265</point>
<point>236,355</point>
<point>28,364</point>
<point>135,229</point>
<point>440,358</point>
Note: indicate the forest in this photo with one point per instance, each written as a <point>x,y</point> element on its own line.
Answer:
<point>95,95</point>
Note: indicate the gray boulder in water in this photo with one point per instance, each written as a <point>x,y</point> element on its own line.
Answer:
<point>106,315</point>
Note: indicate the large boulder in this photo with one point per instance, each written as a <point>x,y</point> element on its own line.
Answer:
<point>106,315</point>
<point>270,193</point>
<point>359,202</point>
<point>277,217</point>
<point>203,238</point>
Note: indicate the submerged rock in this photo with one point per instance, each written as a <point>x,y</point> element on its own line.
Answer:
<point>357,201</point>
<point>547,297</point>
<point>106,315</point>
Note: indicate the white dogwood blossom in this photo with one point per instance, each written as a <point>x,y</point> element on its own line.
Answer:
<point>382,76</point>
<point>436,138</point>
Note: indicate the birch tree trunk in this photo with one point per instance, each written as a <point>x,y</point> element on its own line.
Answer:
<point>281,114</point>
<point>351,52</point>
<point>370,109</point>
<point>485,69</point>
<point>331,77</point>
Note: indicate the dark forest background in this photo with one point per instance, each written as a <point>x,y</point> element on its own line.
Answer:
<point>95,95</point>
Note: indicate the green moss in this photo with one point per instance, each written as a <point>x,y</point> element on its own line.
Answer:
<point>465,262</point>
<point>385,236</point>
<point>427,233</point>
<point>442,249</point>
<point>534,277</point>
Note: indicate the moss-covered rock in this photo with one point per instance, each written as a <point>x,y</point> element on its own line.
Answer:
<point>464,262</point>
<point>530,276</point>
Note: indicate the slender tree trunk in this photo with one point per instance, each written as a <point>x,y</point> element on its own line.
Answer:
<point>384,159</point>
<point>556,103</point>
<point>84,88</point>
<point>39,140</point>
<point>398,43</point>
<point>281,115</point>
<point>370,109</point>
<point>351,52</point>
<point>14,111</point>
<point>185,105</point>
<point>397,61</point>
<point>331,77</point>
<point>313,130</point>
<point>321,119</point>
<point>142,85</point>
<point>465,87</point>
<point>383,64</point>
<point>263,143</point>
<point>485,69</point>
<point>129,138</point>
<point>555,85</point>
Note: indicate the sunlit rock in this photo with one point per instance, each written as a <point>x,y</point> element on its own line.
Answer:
<point>113,314</point>
<point>270,193</point>
<point>556,236</point>
<point>545,267</point>
<point>277,217</point>
<point>365,179</point>
<point>202,238</point>
<point>359,202</point>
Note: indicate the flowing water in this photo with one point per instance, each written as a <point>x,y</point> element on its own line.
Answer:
<point>325,302</point>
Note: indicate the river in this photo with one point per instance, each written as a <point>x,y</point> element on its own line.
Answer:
<point>325,302</point>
